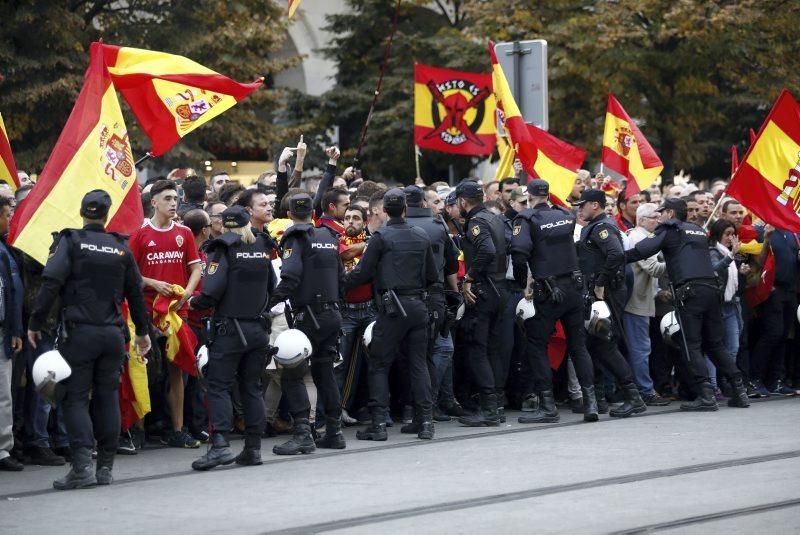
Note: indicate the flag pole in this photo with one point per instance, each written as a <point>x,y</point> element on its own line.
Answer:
<point>416,160</point>
<point>147,156</point>
<point>714,211</point>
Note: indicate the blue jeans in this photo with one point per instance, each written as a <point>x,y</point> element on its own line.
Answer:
<point>37,409</point>
<point>442,360</point>
<point>349,372</point>
<point>637,337</point>
<point>732,323</point>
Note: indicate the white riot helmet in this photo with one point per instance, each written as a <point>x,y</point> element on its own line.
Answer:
<point>599,322</point>
<point>293,347</point>
<point>367,336</point>
<point>798,313</point>
<point>670,329</point>
<point>460,312</point>
<point>48,371</point>
<point>202,362</point>
<point>525,309</point>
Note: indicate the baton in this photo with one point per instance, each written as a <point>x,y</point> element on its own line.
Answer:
<point>239,332</point>
<point>680,321</point>
<point>312,316</point>
<point>398,303</point>
<point>491,283</point>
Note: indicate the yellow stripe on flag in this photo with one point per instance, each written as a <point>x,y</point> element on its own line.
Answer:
<point>507,155</point>
<point>6,173</point>
<point>167,90</point>
<point>293,5</point>
<point>560,178</point>
<point>133,60</point>
<point>771,152</point>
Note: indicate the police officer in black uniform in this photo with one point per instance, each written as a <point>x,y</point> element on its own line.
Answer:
<point>602,261</point>
<point>485,293</point>
<point>310,277</point>
<point>698,298</point>
<point>400,263</point>
<point>93,272</point>
<point>445,256</point>
<point>237,285</point>
<point>542,240</point>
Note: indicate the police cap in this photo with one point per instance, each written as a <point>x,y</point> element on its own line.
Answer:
<point>235,217</point>
<point>591,195</point>
<point>95,204</point>
<point>301,205</point>
<point>538,188</point>
<point>672,204</point>
<point>394,198</point>
<point>469,189</point>
<point>414,194</point>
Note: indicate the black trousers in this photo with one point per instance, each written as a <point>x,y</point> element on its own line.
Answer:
<point>408,334</point>
<point>96,354</point>
<point>606,353</point>
<point>540,328</point>
<point>482,322</point>
<point>325,349</point>
<point>776,314</point>
<point>229,358</point>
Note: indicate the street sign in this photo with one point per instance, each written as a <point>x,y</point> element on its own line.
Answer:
<point>525,66</point>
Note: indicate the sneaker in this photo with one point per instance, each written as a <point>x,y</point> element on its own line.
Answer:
<point>781,389</point>
<point>751,390</point>
<point>760,389</point>
<point>347,420</point>
<point>10,464</point>
<point>654,400</point>
<point>138,437</point>
<point>126,446</point>
<point>44,457</point>
<point>179,439</point>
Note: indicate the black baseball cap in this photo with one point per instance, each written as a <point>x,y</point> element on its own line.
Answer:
<point>414,194</point>
<point>538,188</point>
<point>672,204</point>
<point>394,198</point>
<point>469,189</point>
<point>95,204</point>
<point>301,205</point>
<point>235,217</point>
<point>591,195</point>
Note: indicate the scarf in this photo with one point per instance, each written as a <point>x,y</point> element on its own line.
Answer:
<point>347,241</point>
<point>732,284</point>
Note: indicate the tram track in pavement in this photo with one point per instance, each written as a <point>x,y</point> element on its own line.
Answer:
<point>318,455</point>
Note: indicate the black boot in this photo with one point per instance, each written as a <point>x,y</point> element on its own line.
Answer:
<point>105,463</point>
<point>251,454</point>
<point>376,430</point>
<point>633,403</point>
<point>220,453</point>
<point>81,476</point>
<point>425,419</point>
<point>705,400</point>
<point>333,439</point>
<point>600,396</point>
<point>590,409</point>
<point>301,441</point>
<point>486,415</point>
<point>739,396</point>
<point>546,413</point>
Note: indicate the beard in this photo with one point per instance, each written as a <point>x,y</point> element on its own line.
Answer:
<point>351,231</point>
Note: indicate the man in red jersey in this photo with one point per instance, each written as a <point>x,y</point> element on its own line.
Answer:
<point>166,254</point>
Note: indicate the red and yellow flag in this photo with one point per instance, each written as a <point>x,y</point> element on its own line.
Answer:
<point>626,150</point>
<point>767,181</point>
<point>454,111</point>
<point>171,95</point>
<point>505,167</point>
<point>92,152</point>
<point>8,169</point>
<point>293,5</point>
<point>181,341</point>
<point>134,394</point>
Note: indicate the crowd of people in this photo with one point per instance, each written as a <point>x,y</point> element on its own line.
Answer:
<point>467,348</point>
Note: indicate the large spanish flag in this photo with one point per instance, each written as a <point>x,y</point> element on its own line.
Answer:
<point>767,181</point>
<point>134,392</point>
<point>292,7</point>
<point>92,152</point>
<point>171,95</point>
<point>454,111</point>
<point>626,150</point>
<point>8,169</point>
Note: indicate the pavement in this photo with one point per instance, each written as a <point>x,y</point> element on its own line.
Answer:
<point>733,471</point>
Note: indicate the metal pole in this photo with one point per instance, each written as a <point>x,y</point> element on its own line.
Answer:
<point>144,158</point>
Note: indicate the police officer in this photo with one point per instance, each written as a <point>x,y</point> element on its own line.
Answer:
<point>237,285</point>
<point>310,276</point>
<point>602,261</point>
<point>542,240</point>
<point>93,272</point>
<point>698,298</point>
<point>445,256</point>
<point>400,263</point>
<point>485,293</point>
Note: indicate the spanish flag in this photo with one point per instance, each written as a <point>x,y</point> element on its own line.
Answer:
<point>171,95</point>
<point>505,168</point>
<point>181,341</point>
<point>454,111</point>
<point>293,5</point>
<point>92,152</point>
<point>8,169</point>
<point>767,181</point>
<point>134,394</point>
<point>626,151</point>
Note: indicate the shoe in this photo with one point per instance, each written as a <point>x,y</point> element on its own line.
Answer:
<point>546,413</point>
<point>426,430</point>
<point>126,446</point>
<point>486,415</point>
<point>600,396</point>
<point>389,421</point>
<point>180,439</point>
<point>454,409</point>
<point>219,453</point>
<point>751,391</point>
<point>590,410</point>
<point>501,414</point>
<point>654,400</point>
<point>408,414</point>
<point>576,405</point>
<point>632,403</point>
<point>319,423</point>
<point>201,435</point>
<point>280,426</point>
<point>704,401</point>
<point>781,389</point>
<point>739,397</point>
<point>347,420</point>
<point>530,403</point>
<point>81,476</point>
<point>251,453</point>
<point>439,416</point>
<point>64,452</point>
<point>138,438</point>
<point>105,464</point>
<point>44,457</point>
<point>301,441</point>
<point>377,428</point>
<point>760,389</point>
<point>333,438</point>
<point>719,396</point>
<point>10,464</point>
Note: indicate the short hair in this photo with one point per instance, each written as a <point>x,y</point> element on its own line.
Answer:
<point>194,189</point>
<point>228,191</point>
<point>246,198</point>
<point>162,186</point>
<point>359,209</point>
<point>727,204</point>
<point>394,210</point>
<point>284,205</point>
<point>367,188</point>
<point>718,228</point>
<point>376,201</point>
<point>509,180</point>
<point>196,219</point>
<point>622,198</point>
<point>332,196</point>
<point>218,173</point>
<point>5,201</point>
<point>646,194</point>
<point>154,179</point>
<point>646,209</point>
<point>693,195</point>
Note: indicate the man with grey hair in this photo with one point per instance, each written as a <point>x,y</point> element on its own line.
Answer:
<point>641,306</point>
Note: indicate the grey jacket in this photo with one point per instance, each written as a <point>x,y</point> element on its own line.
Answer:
<point>645,275</point>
